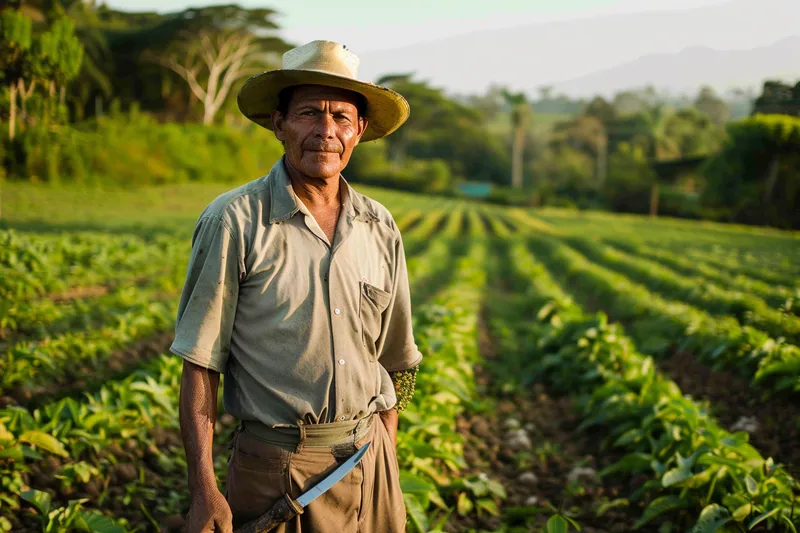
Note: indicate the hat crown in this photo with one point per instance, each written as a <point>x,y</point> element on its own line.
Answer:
<point>323,56</point>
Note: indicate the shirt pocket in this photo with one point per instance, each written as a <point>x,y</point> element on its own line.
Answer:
<point>372,303</point>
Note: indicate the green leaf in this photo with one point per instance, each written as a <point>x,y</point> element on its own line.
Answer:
<point>760,518</point>
<point>743,512</point>
<point>12,453</point>
<point>769,466</point>
<point>572,522</point>
<point>556,524</point>
<point>411,483</point>
<point>37,498</point>
<point>485,504</point>
<point>464,505</point>
<point>633,462</point>
<point>752,486</point>
<point>605,506</point>
<point>44,441</point>
<point>416,513</point>
<point>711,519</point>
<point>788,521</point>
<point>660,506</point>
<point>675,476</point>
<point>98,523</point>
<point>632,435</point>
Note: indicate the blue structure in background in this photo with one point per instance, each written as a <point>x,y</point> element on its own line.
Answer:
<point>475,189</point>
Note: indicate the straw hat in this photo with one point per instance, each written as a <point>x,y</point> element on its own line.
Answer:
<point>322,63</point>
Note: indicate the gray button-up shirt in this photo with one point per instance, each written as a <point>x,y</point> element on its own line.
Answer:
<point>302,330</point>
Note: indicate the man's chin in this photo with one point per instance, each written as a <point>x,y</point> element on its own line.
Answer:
<point>320,171</point>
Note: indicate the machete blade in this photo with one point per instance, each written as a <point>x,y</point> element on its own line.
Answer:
<point>333,478</point>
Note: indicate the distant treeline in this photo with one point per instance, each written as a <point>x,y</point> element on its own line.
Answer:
<point>95,95</point>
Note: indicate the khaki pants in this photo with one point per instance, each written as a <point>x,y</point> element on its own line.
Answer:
<point>367,500</point>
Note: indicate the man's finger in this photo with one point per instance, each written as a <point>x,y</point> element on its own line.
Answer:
<point>224,527</point>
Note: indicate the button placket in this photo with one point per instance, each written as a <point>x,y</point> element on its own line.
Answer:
<point>340,380</point>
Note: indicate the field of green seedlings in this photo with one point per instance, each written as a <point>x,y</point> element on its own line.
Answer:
<point>583,371</point>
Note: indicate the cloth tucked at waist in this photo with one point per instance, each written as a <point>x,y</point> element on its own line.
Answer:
<point>311,435</point>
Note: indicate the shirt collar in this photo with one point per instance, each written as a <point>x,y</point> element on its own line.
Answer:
<point>285,203</point>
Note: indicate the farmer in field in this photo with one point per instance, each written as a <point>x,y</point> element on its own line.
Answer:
<point>297,291</point>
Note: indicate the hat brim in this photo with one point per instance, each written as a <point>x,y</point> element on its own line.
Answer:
<point>387,110</point>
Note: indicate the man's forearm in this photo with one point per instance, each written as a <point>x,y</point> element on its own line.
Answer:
<point>198,414</point>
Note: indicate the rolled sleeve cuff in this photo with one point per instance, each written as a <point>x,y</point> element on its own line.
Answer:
<point>411,357</point>
<point>201,358</point>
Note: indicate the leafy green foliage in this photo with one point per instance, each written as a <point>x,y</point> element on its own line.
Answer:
<point>696,466</point>
<point>754,178</point>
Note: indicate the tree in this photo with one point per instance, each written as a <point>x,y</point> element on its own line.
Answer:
<point>755,178</point>
<point>490,104</point>
<point>521,112</point>
<point>15,45</point>
<point>717,110</point>
<point>588,133</point>
<point>212,48</point>
<point>778,98</point>
<point>602,110</point>
<point>629,103</point>
<point>443,128</point>
<point>58,57</point>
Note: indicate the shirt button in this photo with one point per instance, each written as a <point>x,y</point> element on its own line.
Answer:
<point>337,311</point>
<point>341,361</point>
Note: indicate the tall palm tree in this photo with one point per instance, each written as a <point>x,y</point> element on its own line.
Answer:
<point>661,145</point>
<point>521,111</point>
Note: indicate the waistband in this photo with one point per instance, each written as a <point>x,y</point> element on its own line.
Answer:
<point>311,435</point>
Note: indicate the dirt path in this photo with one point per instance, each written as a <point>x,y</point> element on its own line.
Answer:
<point>531,444</point>
<point>773,425</point>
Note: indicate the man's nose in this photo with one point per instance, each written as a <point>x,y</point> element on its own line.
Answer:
<point>325,126</point>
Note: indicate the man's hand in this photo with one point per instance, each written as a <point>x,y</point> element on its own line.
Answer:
<point>209,513</point>
<point>389,419</point>
<point>198,413</point>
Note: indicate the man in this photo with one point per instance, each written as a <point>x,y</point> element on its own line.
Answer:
<point>297,291</point>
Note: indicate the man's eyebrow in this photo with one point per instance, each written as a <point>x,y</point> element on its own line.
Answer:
<point>342,108</point>
<point>316,106</point>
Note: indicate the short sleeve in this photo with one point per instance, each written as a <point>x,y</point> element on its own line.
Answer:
<point>398,351</point>
<point>208,302</point>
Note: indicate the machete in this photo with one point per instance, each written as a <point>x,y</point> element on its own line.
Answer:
<point>287,508</point>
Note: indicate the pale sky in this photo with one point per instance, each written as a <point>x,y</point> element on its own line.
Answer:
<point>368,25</point>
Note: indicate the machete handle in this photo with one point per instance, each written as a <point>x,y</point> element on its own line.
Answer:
<point>281,512</point>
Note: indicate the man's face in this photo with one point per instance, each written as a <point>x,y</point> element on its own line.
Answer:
<point>320,129</point>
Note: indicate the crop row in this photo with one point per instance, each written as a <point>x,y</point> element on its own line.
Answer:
<point>37,265</point>
<point>775,296</point>
<point>429,447</point>
<point>661,325</point>
<point>693,466</point>
<point>746,308</point>
<point>34,367</point>
<point>729,261</point>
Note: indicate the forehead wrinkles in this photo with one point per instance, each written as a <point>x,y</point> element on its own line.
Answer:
<point>319,96</point>
<point>332,105</point>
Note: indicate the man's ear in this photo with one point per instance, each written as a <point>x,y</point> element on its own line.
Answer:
<point>363,122</point>
<point>277,125</point>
